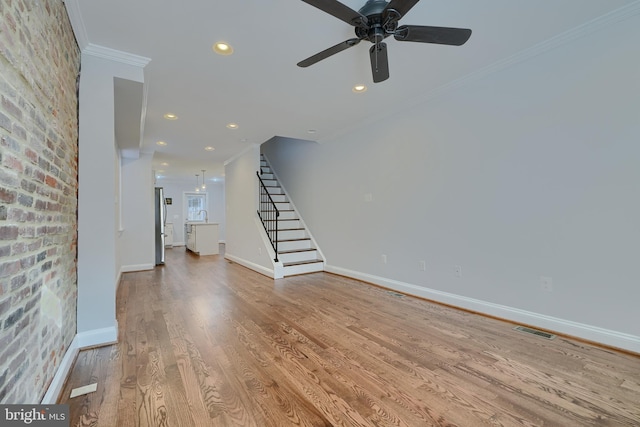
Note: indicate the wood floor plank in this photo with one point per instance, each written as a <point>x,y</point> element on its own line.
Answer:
<point>206,342</point>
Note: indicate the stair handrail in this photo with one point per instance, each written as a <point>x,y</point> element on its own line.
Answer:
<point>271,214</point>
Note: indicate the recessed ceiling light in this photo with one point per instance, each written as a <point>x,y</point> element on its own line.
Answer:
<point>232,126</point>
<point>244,140</point>
<point>222,48</point>
<point>359,88</point>
<point>161,143</point>
<point>170,116</point>
<point>312,131</point>
<point>164,164</point>
<point>209,148</point>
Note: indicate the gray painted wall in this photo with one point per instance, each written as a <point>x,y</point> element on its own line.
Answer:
<point>246,240</point>
<point>530,171</point>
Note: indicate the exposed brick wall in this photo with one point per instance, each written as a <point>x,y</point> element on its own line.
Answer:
<point>39,64</point>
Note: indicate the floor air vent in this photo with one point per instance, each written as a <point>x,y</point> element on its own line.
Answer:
<point>395,294</point>
<point>535,332</point>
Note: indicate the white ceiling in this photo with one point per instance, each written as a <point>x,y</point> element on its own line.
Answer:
<point>260,87</point>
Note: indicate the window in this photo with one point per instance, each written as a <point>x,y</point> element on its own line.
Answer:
<point>196,206</point>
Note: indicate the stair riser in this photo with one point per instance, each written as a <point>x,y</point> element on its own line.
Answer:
<point>287,225</point>
<point>291,234</point>
<point>278,198</point>
<point>298,256</point>
<point>296,244</point>
<point>283,206</point>
<point>303,269</point>
<point>275,190</point>
<point>288,215</point>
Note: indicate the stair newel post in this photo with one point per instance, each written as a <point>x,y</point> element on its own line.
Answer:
<point>276,239</point>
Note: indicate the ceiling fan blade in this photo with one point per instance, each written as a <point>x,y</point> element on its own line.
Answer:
<point>438,35</point>
<point>328,52</point>
<point>340,11</point>
<point>379,62</point>
<point>401,6</point>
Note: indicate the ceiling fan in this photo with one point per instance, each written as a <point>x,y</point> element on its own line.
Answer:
<point>377,20</point>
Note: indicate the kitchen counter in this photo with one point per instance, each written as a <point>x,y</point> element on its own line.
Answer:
<point>202,238</point>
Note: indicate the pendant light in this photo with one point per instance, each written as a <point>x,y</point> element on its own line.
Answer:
<point>204,186</point>
<point>197,183</point>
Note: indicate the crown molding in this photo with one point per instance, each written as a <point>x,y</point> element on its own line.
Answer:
<point>82,38</point>
<point>608,19</point>
<point>116,55</point>
<point>568,36</point>
<point>77,23</point>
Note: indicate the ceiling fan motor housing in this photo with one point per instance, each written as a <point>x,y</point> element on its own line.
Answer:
<point>373,7</point>
<point>376,28</point>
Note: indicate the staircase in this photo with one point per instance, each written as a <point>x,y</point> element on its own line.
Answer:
<point>295,248</point>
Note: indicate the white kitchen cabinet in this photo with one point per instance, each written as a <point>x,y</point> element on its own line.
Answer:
<point>202,238</point>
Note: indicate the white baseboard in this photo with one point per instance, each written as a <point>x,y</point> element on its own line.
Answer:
<point>56,385</point>
<point>136,267</point>
<point>94,338</point>
<point>250,265</point>
<point>591,333</point>
<point>98,337</point>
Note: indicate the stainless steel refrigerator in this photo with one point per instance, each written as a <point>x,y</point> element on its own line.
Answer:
<point>161,218</point>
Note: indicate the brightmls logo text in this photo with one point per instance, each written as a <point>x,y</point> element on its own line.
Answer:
<point>27,416</point>
<point>34,415</point>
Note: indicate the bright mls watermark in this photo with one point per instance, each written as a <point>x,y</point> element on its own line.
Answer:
<point>34,415</point>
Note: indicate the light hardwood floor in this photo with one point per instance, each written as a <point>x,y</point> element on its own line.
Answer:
<point>206,342</point>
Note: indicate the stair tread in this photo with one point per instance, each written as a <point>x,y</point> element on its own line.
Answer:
<point>311,261</point>
<point>295,251</point>
<point>295,240</point>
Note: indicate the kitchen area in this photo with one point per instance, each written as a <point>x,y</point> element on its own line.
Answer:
<point>203,234</point>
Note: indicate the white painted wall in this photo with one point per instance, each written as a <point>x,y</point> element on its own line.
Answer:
<point>531,171</point>
<point>137,238</point>
<point>176,213</point>
<point>98,259</point>
<point>245,242</point>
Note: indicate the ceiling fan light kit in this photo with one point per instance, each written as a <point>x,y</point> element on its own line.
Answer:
<point>377,20</point>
